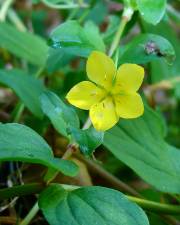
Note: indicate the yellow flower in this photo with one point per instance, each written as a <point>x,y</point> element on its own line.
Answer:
<point>111,94</point>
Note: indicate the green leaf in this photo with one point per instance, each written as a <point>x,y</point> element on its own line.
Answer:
<point>76,40</point>
<point>26,87</point>
<point>160,70</point>
<point>89,206</point>
<point>94,37</point>
<point>23,44</point>
<point>139,143</point>
<point>20,143</point>
<point>152,11</point>
<point>146,48</point>
<point>60,114</point>
<point>88,140</point>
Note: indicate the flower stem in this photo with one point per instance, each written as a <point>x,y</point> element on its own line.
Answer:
<point>127,14</point>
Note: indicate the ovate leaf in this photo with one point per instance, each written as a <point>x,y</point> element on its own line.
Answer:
<point>26,87</point>
<point>92,32</point>
<point>146,48</point>
<point>159,69</point>
<point>76,40</point>
<point>89,205</point>
<point>139,143</point>
<point>20,143</point>
<point>152,11</point>
<point>23,44</point>
<point>61,115</point>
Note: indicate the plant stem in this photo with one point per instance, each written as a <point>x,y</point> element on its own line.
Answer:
<point>145,204</point>
<point>71,148</point>
<point>38,72</point>
<point>156,206</point>
<point>38,187</point>
<point>83,16</point>
<point>14,18</point>
<point>72,14</point>
<point>30,215</point>
<point>4,9</point>
<point>65,6</point>
<point>87,124</point>
<point>127,14</point>
<point>19,112</point>
<point>116,183</point>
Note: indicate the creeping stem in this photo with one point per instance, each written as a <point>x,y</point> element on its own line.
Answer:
<point>38,187</point>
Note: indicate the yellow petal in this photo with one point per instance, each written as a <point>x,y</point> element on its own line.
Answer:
<point>129,78</point>
<point>103,114</point>
<point>85,94</point>
<point>129,105</point>
<point>100,69</point>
